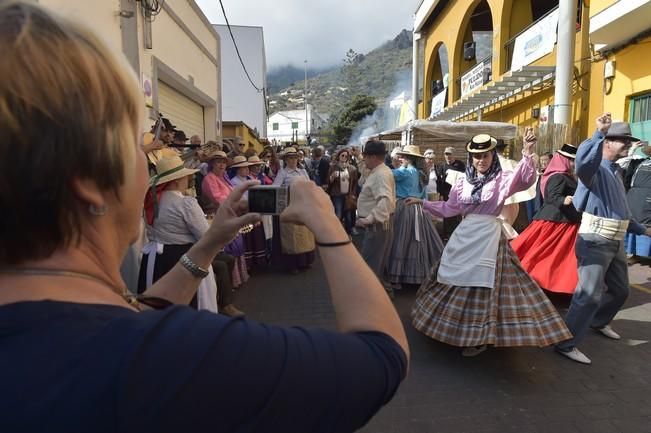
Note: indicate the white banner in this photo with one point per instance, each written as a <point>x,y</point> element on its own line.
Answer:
<point>536,42</point>
<point>472,80</point>
<point>438,103</point>
<point>544,116</point>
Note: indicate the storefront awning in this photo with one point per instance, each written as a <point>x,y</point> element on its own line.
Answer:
<point>508,85</point>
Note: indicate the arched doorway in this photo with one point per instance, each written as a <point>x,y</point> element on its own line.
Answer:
<point>475,47</point>
<point>438,72</point>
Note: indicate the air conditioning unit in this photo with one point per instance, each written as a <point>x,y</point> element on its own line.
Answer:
<point>437,87</point>
<point>469,50</point>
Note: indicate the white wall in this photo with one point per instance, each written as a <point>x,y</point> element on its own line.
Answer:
<point>240,101</point>
<point>183,40</point>
<point>284,120</point>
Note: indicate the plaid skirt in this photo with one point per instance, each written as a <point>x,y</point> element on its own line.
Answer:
<point>515,313</point>
<point>410,261</point>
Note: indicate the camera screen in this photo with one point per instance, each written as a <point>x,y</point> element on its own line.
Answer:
<point>262,200</point>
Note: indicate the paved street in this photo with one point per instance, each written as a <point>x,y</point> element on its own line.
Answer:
<point>502,390</point>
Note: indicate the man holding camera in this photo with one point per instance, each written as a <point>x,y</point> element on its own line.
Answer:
<point>375,207</point>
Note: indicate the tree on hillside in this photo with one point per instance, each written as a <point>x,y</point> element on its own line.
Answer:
<point>351,72</point>
<point>353,113</point>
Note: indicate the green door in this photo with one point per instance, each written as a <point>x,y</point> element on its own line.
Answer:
<point>640,116</point>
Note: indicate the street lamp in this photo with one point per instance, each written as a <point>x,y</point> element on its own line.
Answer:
<point>305,100</point>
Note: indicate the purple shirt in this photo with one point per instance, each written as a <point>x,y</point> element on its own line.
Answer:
<point>493,195</point>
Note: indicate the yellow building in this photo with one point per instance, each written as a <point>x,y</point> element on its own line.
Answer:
<point>495,60</point>
<point>241,133</point>
<point>620,78</point>
<point>175,52</point>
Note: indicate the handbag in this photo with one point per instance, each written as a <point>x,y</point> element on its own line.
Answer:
<point>296,239</point>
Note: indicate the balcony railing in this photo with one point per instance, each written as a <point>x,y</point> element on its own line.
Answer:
<point>509,45</point>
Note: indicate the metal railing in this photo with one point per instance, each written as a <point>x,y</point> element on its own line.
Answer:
<point>510,44</point>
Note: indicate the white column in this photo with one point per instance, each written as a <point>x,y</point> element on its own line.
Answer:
<point>414,75</point>
<point>564,61</point>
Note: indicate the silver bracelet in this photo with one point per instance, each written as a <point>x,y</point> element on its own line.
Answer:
<point>192,267</point>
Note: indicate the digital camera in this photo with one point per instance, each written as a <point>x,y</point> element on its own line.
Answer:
<point>268,199</point>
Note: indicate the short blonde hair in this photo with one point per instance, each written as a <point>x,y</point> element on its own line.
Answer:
<point>69,109</point>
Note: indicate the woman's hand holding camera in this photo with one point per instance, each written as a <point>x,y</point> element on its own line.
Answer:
<point>232,215</point>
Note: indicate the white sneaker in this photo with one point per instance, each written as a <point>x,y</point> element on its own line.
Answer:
<point>608,332</point>
<point>575,355</point>
<point>469,352</point>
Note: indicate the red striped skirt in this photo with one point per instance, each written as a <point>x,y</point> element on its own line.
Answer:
<point>546,251</point>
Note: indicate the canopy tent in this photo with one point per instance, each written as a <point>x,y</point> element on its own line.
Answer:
<point>439,134</point>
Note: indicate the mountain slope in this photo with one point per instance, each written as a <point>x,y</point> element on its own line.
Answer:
<point>381,73</point>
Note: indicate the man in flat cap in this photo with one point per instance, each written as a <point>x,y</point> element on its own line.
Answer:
<point>602,267</point>
<point>375,206</point>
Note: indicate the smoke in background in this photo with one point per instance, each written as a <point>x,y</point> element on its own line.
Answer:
<point>387,116</point>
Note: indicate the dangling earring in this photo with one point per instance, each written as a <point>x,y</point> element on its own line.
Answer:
<point>97,211</point>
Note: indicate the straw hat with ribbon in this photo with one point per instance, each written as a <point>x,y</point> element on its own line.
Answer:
<point>168,169</point>
<point>481,143</point>
<point>410,150</point>
<point>239,161</point>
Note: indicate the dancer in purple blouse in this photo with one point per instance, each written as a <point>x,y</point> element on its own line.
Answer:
<point>480,295</point>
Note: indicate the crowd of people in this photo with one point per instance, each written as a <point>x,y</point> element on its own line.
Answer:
<point>121,341</point>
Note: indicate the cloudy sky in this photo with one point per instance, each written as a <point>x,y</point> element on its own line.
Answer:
<point>320,31</point>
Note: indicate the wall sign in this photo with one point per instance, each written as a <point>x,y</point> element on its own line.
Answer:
<point>536,42</point>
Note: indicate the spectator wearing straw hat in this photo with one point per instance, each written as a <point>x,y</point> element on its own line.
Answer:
<point>292,246</point>
<point>216,187</point>
<point>416,245</point>
<point>255,245</point>
<point>256,170</point>
<point>175,222</point>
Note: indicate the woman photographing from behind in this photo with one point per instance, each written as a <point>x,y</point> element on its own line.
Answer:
<point>497,303</point>
<point>109,367</point>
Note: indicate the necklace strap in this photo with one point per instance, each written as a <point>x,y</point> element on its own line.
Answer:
<point>44,272</point>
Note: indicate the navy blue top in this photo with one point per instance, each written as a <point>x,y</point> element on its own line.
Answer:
<point>67,367</point>
<point>601,189</point>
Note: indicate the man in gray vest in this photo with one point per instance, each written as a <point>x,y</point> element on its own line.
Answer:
<point>603,271</point>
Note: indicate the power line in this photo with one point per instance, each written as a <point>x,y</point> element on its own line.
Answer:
<point>237,50</point>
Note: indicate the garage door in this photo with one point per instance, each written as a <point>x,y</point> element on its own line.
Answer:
<point>182,111</point>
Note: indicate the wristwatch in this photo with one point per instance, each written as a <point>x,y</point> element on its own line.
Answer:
<point>192,267</point>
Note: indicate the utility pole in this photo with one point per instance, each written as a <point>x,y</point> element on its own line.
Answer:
<point>565,62</point>
<point>307,129</point>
